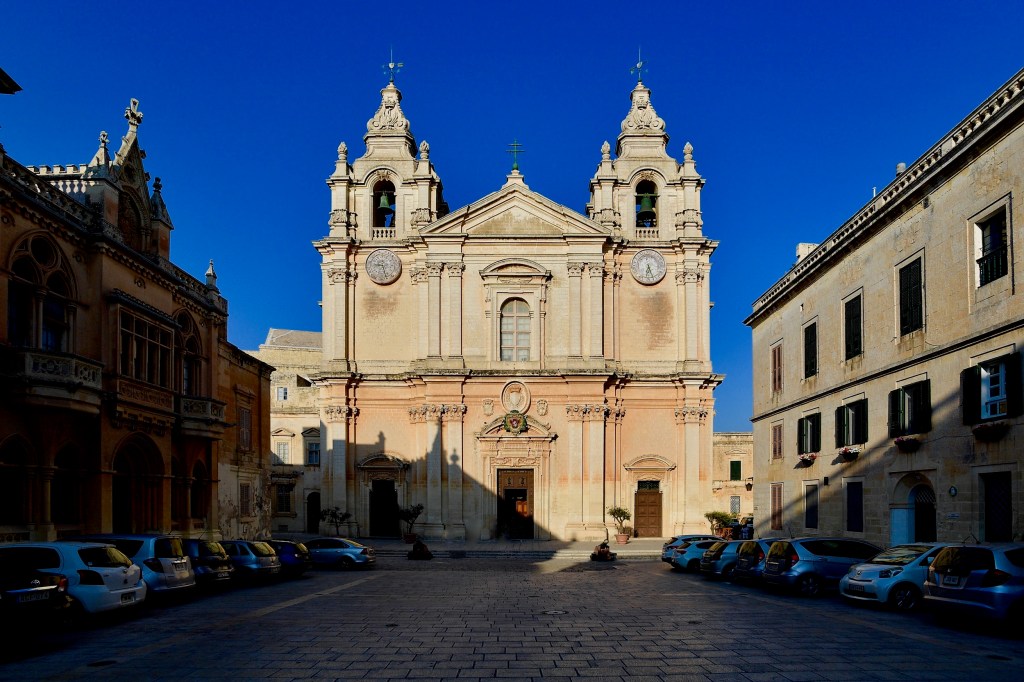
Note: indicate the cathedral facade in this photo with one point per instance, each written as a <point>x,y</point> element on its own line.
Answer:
<point>514,366</point>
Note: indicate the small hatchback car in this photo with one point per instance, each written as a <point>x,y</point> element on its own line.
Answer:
<point>985,579</point>
<point>252,559</point>
<point>210,562</point>
<point>669,547</point>
<point>340,553</point>
<point>29,596</point>
<point>719,560</point>
<point>750,558</point>
<point>893,577</point>
<point>687,556</point>
<point>294,556</point>
<point>100,578</point>
<point>809,564</point>
<point>165,566</point>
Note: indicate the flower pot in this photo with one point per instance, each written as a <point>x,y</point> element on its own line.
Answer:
<point>907,445</point>
<point>622,538</point>
<point>991,432</point>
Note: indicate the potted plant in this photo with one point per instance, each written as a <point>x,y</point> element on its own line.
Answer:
<point>849,452</point>
<point>808,457</point>
<point>721,522</point>
<point>990,432</point>
<point>620,515</point>
<point>335,517</point>
<point>907,443</point>
<point>408,516</point>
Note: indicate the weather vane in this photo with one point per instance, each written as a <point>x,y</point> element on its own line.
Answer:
<point>515,149</point>
<point>639,68</point>
<point>392,67</point>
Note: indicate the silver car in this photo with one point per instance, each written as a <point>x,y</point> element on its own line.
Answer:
<point>165,566</point>
<point>893,577</point>
<point>986,579</point>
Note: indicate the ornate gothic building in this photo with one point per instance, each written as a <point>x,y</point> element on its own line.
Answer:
<point>514,366</point>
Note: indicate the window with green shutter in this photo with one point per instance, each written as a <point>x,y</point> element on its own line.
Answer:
<point>911,298</point>
<point>854,341</point>
<point>735,470</point>
<point>910,409</point>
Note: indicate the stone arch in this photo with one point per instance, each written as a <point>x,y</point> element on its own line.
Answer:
<point>383,488</point>
<point>137,485</point>
<point>188,354</point>
<point>47,322</point>
<point>912,514</point>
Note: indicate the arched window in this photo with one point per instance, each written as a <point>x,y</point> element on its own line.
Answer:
<point>40,311</point>
<point>384,204</point>
<point>646,204</point>
<point>189,356</point>
<point>515,330</point>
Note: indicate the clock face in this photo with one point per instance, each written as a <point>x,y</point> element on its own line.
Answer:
<point>648,266</point>
<point>383,266</point>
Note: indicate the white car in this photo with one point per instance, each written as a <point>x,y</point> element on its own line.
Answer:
<point>100,577</point>
<point>893,577</point>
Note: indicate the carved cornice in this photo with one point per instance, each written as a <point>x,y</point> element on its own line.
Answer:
<point>595,269</point>
<point>690,415</point>
<point>434,269</point>
<point>575,269</point>
<point>588,413</point>
<point>689,276</point>
<point>337,413</point>
<point>455,269</point>
<point>453,413</point>
<point>418,274</point>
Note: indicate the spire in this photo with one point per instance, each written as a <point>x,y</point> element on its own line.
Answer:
<point>100,164</point>
<point>389,116</point>
<point>157,208</point>
<point>211,278</point>
<point>642,117</point>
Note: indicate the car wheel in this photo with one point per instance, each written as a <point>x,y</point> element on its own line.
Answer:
<point>727,571</point>
<point>693,566</point>
<point>808,586</point>
<point>347,563</point>
<point>904,597</point>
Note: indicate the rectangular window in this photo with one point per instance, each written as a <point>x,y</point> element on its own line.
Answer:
<point>734,504</point>
<point>855,507</point>
<point>992,390</point>
<point>809,434</point>
<point>994,261</point>
<point>810,350</point>
<point>854,340</point>
<point>282,393</point>
<point>911,298</point>
<point>910,409</point>
<point>284,498</point>
<point>244,429</point>
<point>852,423</point>
<point>245,506</point>
<point>145,352</point>
<point>777,441</point>
<point>776,506</point>
<point>811,505</point>
<point>776,365</point>
<point>281,449</point>
<point>313,453</point>
<point>735,470</point>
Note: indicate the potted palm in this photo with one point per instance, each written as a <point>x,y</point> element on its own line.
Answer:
<point>408,516</point>
<point>620,515</point>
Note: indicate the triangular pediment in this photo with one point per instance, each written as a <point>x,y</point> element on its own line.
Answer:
<point>515,211</point>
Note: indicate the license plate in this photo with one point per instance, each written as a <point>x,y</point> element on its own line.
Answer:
<point>32,596</point>
<point>128,598</point>
<point>854,587</point>
<point>950,580</point>
<point>222,574</point>
<point>181,570</point>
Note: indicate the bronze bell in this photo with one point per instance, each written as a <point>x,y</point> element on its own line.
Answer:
<point>646,213</point>
<point>385,205</point>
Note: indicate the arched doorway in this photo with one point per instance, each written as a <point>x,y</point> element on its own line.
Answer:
<point>912,510</point>
<point>922,500</point>
<point>136,494</point>
<point>313,513</point>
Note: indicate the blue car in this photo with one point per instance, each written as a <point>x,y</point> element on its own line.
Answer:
<point>294,556</point>
<point>340,553</point>
<point>808,565</point>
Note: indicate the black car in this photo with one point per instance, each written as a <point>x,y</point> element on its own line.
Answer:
<point>210,562</point>
<point>28,596</point>
<point>295,558</point>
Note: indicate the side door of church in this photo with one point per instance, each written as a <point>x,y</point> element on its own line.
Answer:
<point>647,504</point>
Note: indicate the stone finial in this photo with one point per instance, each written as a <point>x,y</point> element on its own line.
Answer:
<point>101,160</point>
<point>424,150</point>
<point>343,152</point>
<point>642,117</point>
<point>389,115</point>
<point>688,152</point>
<point>157,208</point>
<point>133,114</point>
<point>211,278</point>
<point>606,151</point>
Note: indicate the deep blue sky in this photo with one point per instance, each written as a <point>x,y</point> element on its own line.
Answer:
<point>795,111</point>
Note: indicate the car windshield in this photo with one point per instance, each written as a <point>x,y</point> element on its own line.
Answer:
<point>262,549</point>
<point>168,548</point>
<point>779,550</point>
<point>211,549</point>
<point>129,547</point>
<point>104,557</point>
<point>300,548</point>
<point>900,555</point>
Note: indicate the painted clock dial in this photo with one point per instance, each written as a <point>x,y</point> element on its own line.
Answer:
<point>383,266</point>
<point>648,266</point>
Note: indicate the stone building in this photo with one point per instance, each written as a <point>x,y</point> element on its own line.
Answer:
<point>887,378</point>
<point>514,366</point>
<point>732,480</point>
<point>124,407</point>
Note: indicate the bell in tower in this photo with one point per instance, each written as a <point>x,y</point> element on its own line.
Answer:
<point>384,209</point>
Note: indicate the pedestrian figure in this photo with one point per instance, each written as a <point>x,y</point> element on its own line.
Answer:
<point>419,551</point>
<point>602,553</point>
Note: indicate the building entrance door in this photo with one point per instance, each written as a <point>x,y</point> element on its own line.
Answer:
<point>384,509</point>
<point>515,503</point>
<point>647,504</point>
<point>313,513</point>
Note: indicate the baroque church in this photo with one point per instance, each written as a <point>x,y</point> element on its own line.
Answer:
<point>514,366</point>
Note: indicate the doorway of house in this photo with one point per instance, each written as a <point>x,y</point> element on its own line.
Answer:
<point>922,498</point>
<point>647,503</point>
<point>313,513</point>
<point>384,509</point>
<point>515,503</point>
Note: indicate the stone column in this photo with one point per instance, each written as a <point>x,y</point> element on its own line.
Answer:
<point>335,322</point>
<point>213,522</point>
<point>705,316</point>
<point>691,516</point>
<point>455,271</point>
<point>453,416</point>
<point>692,277</point>
<point>593,456</point>
<point>434,310</point>
<point>573,505</point>
<point>596,272</point>
<point>432,515</point>
<point>575,282</point>
<point>419,280</point>
<point>334,458</point>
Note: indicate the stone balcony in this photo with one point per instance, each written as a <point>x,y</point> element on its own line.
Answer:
<point>203,417</point>
<point>55,378</point>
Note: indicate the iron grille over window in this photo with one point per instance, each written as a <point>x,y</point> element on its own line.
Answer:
<point>993,263</point>
<point>648,485</point>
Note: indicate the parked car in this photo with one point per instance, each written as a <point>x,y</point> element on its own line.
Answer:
<point>687,556</point>
<point>294,556</point>
<point>210,562</point>
<point>675,541</point>
<point>252,558</point>
<point>28,595</point>
<point>719,560</point>
<point>809,564</point>
<point>750,558</point>
<point>986,579</point>
<point>99,576</point>
<point>165,567</point>
<point>340,553</point>
<point>894,577</point>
